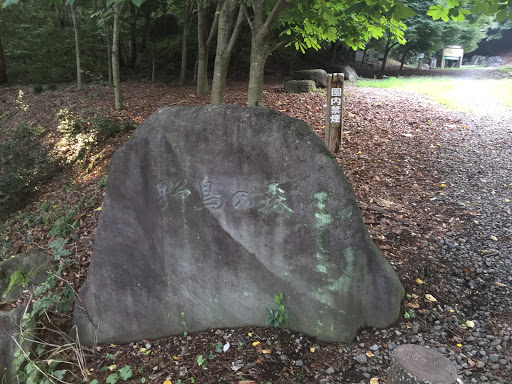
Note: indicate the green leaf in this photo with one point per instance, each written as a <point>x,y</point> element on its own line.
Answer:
<point>501,15</point>
<point>59,374</point>
<point>125,373</point>
<point>112,379</point>
<point>137,3</point>
<point>95,381</point>
<point>110,2</point>
<point>402,12</point>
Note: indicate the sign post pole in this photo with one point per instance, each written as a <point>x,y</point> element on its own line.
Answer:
<point>334,111</point>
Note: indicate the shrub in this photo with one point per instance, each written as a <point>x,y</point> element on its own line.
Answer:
<point>38,89</point>
<point>24,163</point>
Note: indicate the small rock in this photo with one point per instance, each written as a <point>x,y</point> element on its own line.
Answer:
<point>299,363</point>
<point>374,347</point>
<point>329,370</point>
<point>493,358</point>
<point>361,358</point>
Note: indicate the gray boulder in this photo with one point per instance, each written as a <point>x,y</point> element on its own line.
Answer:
<point>9,330</point>
<point>424,66</point>
<point>319,76</point>
<point>349,73</point>
<point>23,272</point>
<point>299,86</point>
<point>210,211</point>
<point>495,61</point>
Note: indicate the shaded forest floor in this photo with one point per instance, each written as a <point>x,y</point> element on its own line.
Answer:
<point>395,154</point>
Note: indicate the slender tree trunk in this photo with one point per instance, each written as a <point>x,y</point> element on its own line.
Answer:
<point>77,48</point>
<point>226,39</point>
<point>3,65</point>
<point>187,16</point>
<point>389,46</point>
<point>202,54</point>
<point>132,42</point>
<point>116,73</point>
<point>260,33</point>
<point>259,55</point>
<point>109,52</point>
<point>204,42</point>
<point>406,51</point>
<point>153,69</point>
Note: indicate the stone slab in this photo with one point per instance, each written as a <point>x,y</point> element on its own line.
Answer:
<point>34,265</point>
<point>319,76</point>
<point>210,211</point>
<point>299,86</point>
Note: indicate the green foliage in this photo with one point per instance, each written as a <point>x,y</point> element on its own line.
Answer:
<point>202,361</point>
<point>33,367</point>
<point>409,314</point>
<point>24,164</point>
<point>65,223</point>
<point>18,279</point>
<point>277,316</point>
<point>102,182</point>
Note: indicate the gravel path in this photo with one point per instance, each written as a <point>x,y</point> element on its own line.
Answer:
<point>477,170</point>
<point>480,179</point>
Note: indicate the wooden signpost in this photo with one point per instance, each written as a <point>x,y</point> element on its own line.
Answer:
<point>334,111</point>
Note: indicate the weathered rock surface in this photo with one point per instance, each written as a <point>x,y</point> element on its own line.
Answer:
<point>31,266</point>
<point>299,86</point>
<point>349,72</point>
<point>9,328</point>
<point>319,76</point>
<point>209,212</point>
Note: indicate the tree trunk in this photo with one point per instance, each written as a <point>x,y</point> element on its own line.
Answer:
<point>109,53</point>
<point>77,48</point>
<point>260,33</point>
<point>202,54</point>
<point>132,42</point>
<point>259,55</point>
<point>187,15</point>
<point>3,66</point>
<point>116,74</point>
<point>386,53</point>
<point>406,51</point>
<point>204,42</point>
<point>226,39</point>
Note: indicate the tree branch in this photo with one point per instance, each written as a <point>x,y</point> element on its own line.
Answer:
<point>276,13</point>
<point>238,25</point>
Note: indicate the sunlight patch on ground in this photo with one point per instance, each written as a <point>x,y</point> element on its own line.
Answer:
<point>461,94</point>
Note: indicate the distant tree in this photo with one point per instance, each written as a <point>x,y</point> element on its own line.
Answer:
<point>188,10</point>
<point>205,36</point>
<point>307,23</point>
<point>3,65</point>
<point>76,28</point>
<point>227,34</point>
<point>457,9</point>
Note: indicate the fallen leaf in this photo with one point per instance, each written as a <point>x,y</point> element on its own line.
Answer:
<point>383,202</point>
<point>312,349</point>
<point>266,351</point>
<point>419,281</point>
<point>470,324</point>
<point>498,284</point>
<point>255,343</point>
<point>494,238</point>
<point>429,297</point>
<point>374,380</point>
<point>167,382</point>
<point>369,354</point>
<point>412,304</point>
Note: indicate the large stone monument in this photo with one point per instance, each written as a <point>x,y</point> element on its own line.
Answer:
<point>210,211</point>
